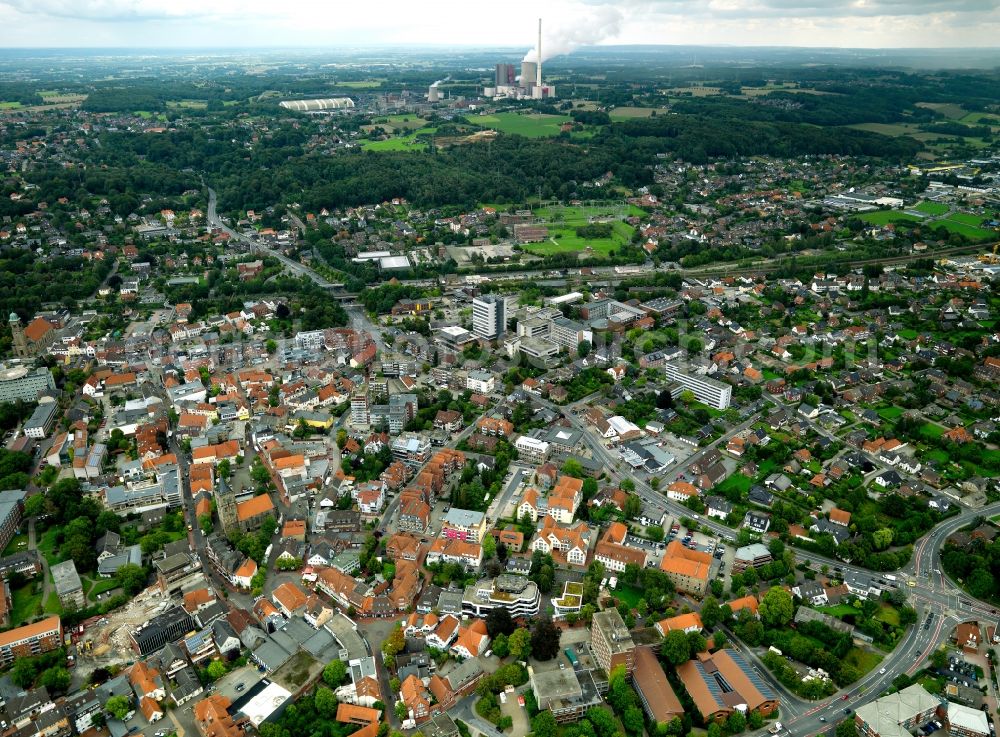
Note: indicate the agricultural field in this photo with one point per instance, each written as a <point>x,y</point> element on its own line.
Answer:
<point>535,125</point>
<point>627,113</point>
<point>361,84</point>
<point>981,119</point>
<point>189,104</point>
<point>10,105</point>
<point>884,217</point>
<point>932,208</point>
<point>697,91</point>
<point>947,109</point>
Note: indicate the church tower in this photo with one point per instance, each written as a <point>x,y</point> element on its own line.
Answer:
<point>225,502</point>
<point>17,333</point>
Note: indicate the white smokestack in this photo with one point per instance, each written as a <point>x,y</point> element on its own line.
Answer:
<point>538,70</point>
<point>583,29</point>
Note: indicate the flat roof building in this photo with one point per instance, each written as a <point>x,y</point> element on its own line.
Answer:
<point>711,392</point>
<point>898,714</point>
<point>565,692</point>
<point>611,641</point>
<point>67,583</point>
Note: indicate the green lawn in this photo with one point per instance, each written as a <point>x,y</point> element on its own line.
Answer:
<point>532,125</point>
<point>9,105</point>
<point>15,544</point>
<point>25,604</point>
<point>629,594</point>
<point>737,481</point>
<point>93,587</point>
<point>890,413</point>
<point>908,334</point>
<point>932,208</point>
<point>840,610</point>
<point>931,430</point>
<point>47,545</point>
<point>884,217</point>
<point>888,614</point>
<point>52,605</point>
<point>863,660</point>
<point>937,455</point>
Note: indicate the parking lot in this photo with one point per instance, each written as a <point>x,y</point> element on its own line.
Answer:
<point>234,684</point>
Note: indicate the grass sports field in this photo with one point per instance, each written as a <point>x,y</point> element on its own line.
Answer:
<point>884,217</point>
<point>967,225</point>
<point>932,208</point>
<point>536,125</point>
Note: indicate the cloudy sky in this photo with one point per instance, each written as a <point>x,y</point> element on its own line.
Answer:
<point>329,23</point>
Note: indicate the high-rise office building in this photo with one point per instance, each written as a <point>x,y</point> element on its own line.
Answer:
<point>489,316</point>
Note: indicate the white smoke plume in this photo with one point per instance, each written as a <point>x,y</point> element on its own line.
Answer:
<point>584,30</point>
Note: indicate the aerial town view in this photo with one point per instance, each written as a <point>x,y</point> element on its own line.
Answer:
<point>546,378</point>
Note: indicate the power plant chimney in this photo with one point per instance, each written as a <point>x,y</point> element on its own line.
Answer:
<point>538,70</point>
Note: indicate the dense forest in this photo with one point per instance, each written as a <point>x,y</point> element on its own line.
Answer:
<point>509,169</point>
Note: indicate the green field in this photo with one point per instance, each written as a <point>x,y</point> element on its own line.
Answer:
<point>564,239</point>
<point>402,143</point>
<point>932,208</point>
<point>581,214</point>
<point>10,105</point>
<point>967,218</point>
<point>979,118</point>
<point>966,225</point>
<point>534,125</point>
<point>884,217</point>
<point>402,122</point>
